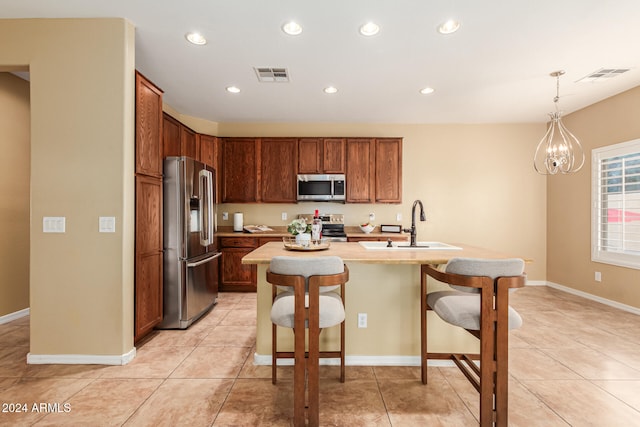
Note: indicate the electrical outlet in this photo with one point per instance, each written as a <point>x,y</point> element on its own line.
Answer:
<point>362,320</point>
<point>284,216</point>
<point>225,216</point>
<point>372,217</point>
<point>398,217</point>
<point>598,276</point>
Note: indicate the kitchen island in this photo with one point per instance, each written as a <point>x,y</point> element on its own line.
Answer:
<point>384,284</point>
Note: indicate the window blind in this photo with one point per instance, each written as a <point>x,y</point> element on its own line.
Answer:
<point>616,204</point>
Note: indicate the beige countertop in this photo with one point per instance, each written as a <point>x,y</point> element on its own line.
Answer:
<point>281,231</point>
<point>354,252</point>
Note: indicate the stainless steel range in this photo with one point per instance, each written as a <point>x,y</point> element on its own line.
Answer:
<point>332,226</point>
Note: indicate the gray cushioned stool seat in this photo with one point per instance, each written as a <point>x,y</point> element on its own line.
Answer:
<point>331,310</point>
<point>463,309</point>
<point>461,306</point>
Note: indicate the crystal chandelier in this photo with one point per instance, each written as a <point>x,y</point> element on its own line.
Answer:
<point>559,150</point>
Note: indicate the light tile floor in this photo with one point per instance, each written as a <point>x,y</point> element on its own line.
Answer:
<point>574,362</point>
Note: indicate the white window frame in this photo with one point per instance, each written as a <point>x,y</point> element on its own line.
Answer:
<point>620,245</point>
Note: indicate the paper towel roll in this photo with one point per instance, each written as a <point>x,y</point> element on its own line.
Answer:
<point>237,221</point>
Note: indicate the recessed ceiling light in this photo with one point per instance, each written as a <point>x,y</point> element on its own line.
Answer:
<point>196,38</point>
<point>330,89</point>
<point>427,90</point>
<point>292,28</point>
<point>233,89</point>
<point>448,27</point>
<point>369,29</point>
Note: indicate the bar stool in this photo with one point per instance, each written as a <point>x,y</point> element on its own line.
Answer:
<point>304,297</point>
<point>478,303</point>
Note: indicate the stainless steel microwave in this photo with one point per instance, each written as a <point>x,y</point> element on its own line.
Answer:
<point>321,188</point>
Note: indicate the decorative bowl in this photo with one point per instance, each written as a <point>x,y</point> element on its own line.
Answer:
<point>367,228</point>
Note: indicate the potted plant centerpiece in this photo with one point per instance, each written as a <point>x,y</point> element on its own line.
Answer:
<point>301,230</point>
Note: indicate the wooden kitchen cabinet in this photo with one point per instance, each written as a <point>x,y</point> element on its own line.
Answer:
<point>360,175</point>
<point>321,155</point>
<point>148,262</point>
<point>239,161</point>
<point>178,140</point>
<point>279,163</point>
<point>333,155</point>
<point>208,150</point>
<point>148,127</point>
<point>265,170</point>
<point>388,173</point>
<point>148,254</point>
<point>235,276</point>
<point>170,136</point>
<point>374,170</point>
<point>189,143</point>
<point>310,155</point>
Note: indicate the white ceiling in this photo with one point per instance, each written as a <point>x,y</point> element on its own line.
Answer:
<point>494,69</point>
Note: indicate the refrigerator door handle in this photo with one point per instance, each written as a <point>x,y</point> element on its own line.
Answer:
<point>204,261</point>
<point>206,198</point>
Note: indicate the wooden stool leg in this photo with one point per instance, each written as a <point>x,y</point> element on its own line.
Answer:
<point>274,352</point>
<point>299,381</point>
<point>300,359</point>
<point>314,359</point>
<point>502,355</point>
<point>487,357</point>
<point>423,324</point>
<point>342,375</point>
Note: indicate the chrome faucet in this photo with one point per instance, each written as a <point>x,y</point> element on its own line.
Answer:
<point>412,230</point>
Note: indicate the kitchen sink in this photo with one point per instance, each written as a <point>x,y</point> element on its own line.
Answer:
<point>420,246</point>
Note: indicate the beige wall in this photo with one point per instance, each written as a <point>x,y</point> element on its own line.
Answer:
<point>477,184</point>
<point>608,122</point>
<point>14,191</point>
<point>82,147</point>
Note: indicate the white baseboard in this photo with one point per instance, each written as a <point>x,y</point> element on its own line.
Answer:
<point>265,359</point>
<point>611,303</point>
<point>81,359</point>
<point>536,283</point>
<point>14,316</point>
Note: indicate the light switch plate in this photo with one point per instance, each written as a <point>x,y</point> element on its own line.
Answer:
<point>107,224</point>
<point>53,224</point>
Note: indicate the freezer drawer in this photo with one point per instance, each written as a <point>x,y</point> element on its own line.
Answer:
<point>190,290</point>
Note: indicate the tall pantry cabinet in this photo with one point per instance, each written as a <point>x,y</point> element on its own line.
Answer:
<point>148,215</point>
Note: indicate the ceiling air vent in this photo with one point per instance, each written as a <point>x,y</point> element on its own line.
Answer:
<point>603,74</point>
<point>272,74</point>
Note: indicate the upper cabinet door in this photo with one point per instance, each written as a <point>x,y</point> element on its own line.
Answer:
<point>148,127</point>
<point>189,143</point>
<point>239,170</point>
<point>171,136</point>
<point>279,163</point>
<point>361,160</point>
<point>321,155</point>
<point>388,174</point>
<point>310,155</point>
<point>333,155</point>
<point>208,150</point>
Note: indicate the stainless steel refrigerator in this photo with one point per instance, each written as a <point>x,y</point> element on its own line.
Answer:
<point>190,254</point>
